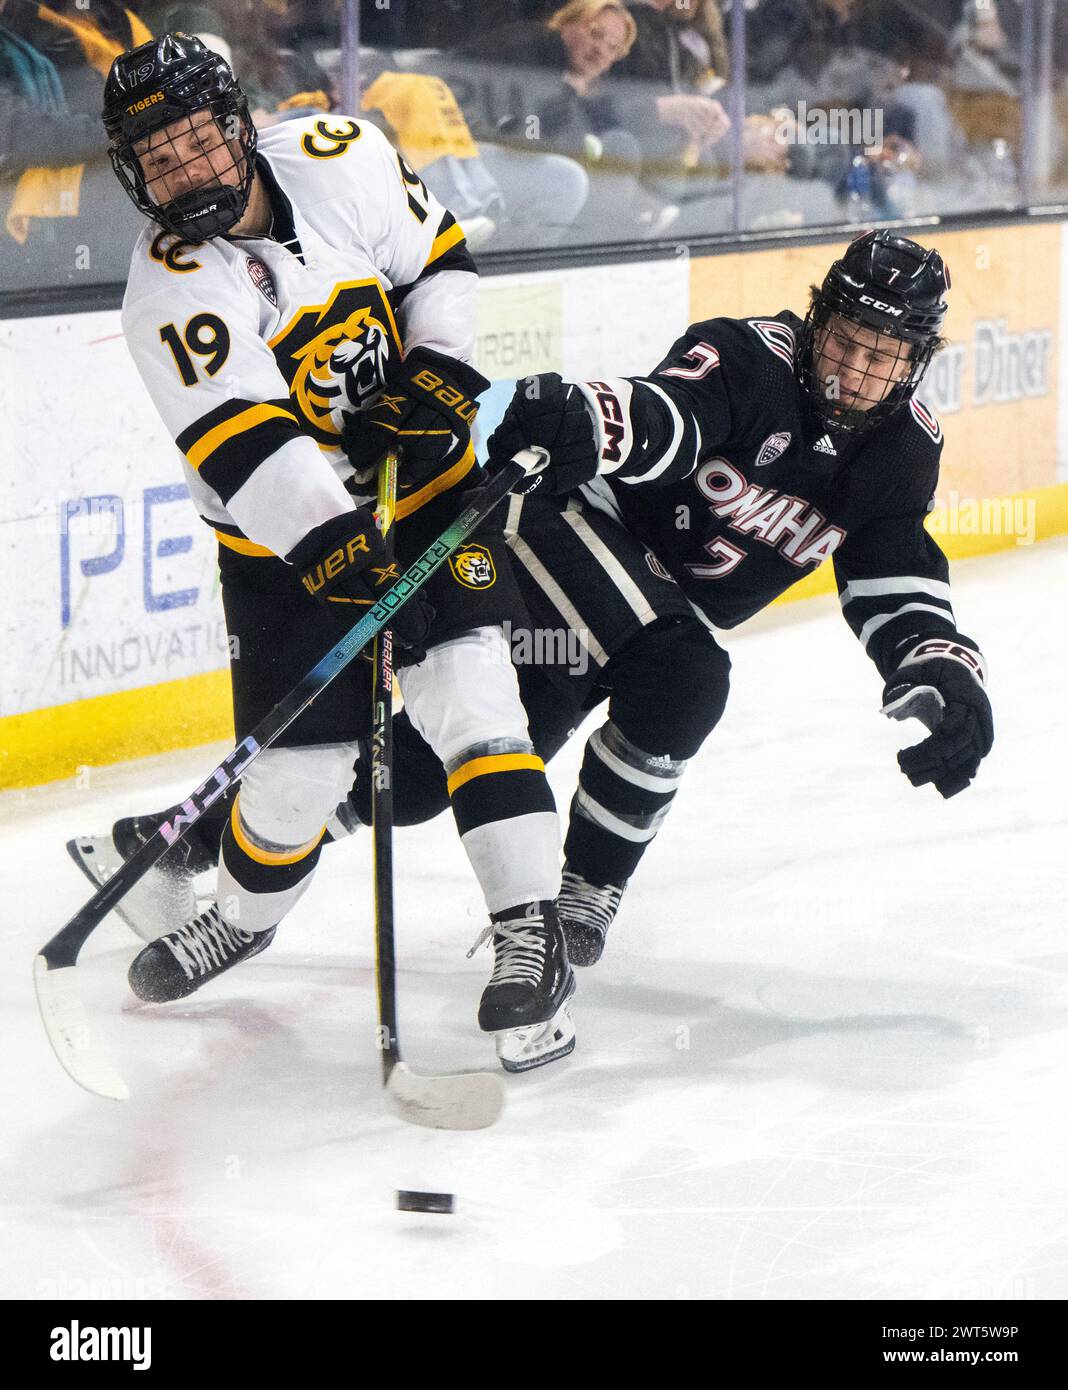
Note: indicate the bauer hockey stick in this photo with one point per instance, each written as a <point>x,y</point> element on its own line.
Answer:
<point>471,1100</point>
<point>63,1013</point>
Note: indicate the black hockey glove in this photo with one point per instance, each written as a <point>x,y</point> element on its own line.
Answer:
<point>426,409</point>
<point>548,411</point>
<point>940,682</point>
<point>346,560</point>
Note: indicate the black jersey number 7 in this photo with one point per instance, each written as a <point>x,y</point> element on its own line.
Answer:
<point>205,335</point>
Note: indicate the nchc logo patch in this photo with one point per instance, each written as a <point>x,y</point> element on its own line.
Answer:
<point>472,566</point>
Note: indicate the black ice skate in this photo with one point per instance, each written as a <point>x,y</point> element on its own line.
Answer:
<point>586,910</point>
<point>163,900</point>
<point>525,1003</point>
<point>179,963</point>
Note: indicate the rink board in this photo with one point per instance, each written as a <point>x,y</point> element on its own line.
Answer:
<point>116,648</point>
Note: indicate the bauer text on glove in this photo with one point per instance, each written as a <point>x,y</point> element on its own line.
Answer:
<point>346,561</point>
<point>425,410</point>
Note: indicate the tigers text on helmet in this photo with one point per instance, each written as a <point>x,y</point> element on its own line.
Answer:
<point>871,330</point>
<point>190,172</point>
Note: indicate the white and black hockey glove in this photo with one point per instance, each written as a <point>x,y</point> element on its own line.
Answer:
<point>552,413</point>
<point>941,683</point>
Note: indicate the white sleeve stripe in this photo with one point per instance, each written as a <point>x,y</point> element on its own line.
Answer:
<point>899,584</point>
<point>872,626</point>
<point>676,439</point>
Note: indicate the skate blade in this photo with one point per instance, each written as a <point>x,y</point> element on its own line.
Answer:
<point>151,908</point>
<point>523,1049</point>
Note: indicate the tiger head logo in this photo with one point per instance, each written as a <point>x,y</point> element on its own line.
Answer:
<point>340,369</point>
<point>472,566</point>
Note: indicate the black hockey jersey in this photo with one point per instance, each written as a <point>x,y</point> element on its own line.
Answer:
<point>716,463</point>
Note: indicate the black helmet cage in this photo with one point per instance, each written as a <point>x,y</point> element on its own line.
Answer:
<point>892,286</point>
<point>163,82</point>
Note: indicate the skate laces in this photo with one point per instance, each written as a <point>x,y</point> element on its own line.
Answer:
<point>588,904</point>
<point>205,942</point>
<point>519,950</point>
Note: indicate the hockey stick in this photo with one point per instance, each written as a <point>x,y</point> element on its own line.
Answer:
<point>469,1101</point>
<point>62,1011</point>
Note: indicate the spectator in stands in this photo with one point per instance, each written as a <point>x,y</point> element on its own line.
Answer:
<point>37,127</point>
<point>679,42</point>
<point>567,105</point>
<point>269,44</point>
<point>64,222</point>
<point>420,115</point>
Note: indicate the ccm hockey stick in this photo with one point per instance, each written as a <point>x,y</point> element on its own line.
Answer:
<point>63,1013</point>
<point>468,1101</point>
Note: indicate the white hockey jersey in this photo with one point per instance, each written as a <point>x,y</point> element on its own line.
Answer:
<point>253,349</point>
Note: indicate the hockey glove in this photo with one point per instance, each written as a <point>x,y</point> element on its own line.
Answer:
<point>552,413</point>
<point>426,409</point>
<point>940,682</point>
<point>346,561</point>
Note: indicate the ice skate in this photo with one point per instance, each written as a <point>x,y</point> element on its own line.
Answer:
<point>164,899</point>
<point>525,1004</point>
<point>586,911</point>
<point>179,963</point>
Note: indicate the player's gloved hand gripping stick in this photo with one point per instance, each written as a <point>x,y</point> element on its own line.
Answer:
<point>62,1011</point>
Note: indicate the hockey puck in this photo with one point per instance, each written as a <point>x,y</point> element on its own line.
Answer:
<point>441,1202</point>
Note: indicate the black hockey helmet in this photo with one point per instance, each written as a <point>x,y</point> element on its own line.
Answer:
<point>893,287</point>
<point>164,83</point>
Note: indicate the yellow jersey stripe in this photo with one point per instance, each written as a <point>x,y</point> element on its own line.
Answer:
<point>266,856</point>
<point>445,241</point>
<point>242,546</point>
<point>237,424</point>
<point>499,762</point>
<point>442,483</point>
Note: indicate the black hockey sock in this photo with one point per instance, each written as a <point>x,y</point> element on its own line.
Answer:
<point>623,797</point>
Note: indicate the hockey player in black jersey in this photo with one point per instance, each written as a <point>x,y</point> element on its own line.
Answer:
<point>690,498</point>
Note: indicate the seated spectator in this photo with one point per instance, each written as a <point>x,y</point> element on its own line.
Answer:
<point>37,126</point>
<point>267,46</point>
<point>571,109</point>
<point>63,222</point>
<point>422,118</point>
<point>679,42</point>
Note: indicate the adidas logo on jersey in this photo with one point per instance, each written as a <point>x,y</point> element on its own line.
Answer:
<point>824,446</point>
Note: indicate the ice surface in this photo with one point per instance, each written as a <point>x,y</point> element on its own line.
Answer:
<point>823,1057</point>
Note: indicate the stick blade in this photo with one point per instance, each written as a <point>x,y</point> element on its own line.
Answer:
<point>70,1032</point>
<point>470,1100</point>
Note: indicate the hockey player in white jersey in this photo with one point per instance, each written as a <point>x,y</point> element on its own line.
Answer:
<point>299,304</point>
